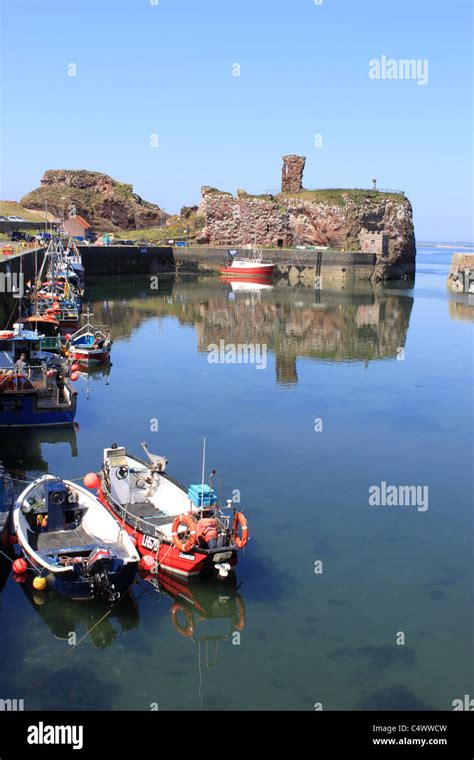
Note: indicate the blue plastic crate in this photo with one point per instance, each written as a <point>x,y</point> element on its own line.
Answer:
<point>198,496</point>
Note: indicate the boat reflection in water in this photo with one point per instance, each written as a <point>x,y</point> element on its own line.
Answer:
<point>21,453</point>
<point>204,611</point>
<point>249,284</point>
<point>88,375</point>
<point>6,559</point>
<point>64,617</point>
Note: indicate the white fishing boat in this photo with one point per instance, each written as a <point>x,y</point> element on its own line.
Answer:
<point>68,538</point>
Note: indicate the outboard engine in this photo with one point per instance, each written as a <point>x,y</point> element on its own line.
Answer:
<point>98,565</point>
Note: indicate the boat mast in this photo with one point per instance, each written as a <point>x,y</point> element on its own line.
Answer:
<point>203,467</point>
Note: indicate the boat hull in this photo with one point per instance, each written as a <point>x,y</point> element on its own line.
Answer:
<point>23,411</point>
<point>169,557</point>
<point>90,357</point>
<point>258,270</point>
<point>80,588</point>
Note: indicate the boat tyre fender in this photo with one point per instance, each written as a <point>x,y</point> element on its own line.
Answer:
<point>188,629</point>
<point>184,546</point>
<point>240,541</point>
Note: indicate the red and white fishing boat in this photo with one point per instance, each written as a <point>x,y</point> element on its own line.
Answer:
<point>90,345</point>
<point>247,266</point>
<point>177,530</point>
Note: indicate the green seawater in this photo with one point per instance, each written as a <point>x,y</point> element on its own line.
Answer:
<point>359,387</point>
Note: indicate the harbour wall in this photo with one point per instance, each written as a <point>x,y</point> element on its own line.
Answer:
<point>294,266</point>
<point>127,259</point>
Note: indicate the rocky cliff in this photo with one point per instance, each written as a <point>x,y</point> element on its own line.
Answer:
<point>100,199</point>
<point>344,220</point>
<point>334,218</point>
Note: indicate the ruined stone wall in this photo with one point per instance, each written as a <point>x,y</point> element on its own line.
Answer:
<point>292,173</point>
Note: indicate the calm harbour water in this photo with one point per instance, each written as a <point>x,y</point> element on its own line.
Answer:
<point>388,373</point>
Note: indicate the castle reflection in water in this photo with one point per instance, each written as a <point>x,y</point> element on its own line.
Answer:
<point>367,324</point>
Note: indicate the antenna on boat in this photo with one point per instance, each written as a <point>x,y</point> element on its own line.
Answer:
<point>203,467</point>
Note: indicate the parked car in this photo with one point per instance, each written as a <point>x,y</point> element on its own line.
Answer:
<point>15,219</point>
<point>18,235</point>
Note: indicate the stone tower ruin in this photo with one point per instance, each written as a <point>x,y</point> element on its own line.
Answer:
<point>292,174</point>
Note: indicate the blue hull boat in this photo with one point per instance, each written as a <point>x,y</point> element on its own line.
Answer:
<point>30,408</point>
<point>34,390</point>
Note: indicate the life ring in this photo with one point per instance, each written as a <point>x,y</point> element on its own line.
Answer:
<point>240,609</point>
<point>184,546</point>
<point>188,629</point>
<point>240,541</point>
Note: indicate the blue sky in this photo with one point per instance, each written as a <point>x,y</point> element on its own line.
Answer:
<point>167,70</point>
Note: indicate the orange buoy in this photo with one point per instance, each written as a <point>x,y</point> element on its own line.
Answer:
<point>74,367</point>
<point>75,376</point>
<point>147,562</point>
<point>188,629</point>
<point>184,546</point>
<point>240,541</point>
<point>91,480</point>
<point>20,566</point>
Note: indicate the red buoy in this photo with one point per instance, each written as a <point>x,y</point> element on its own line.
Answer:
<point>20,566</point>
<point>91,480</point>
<point>75,376</point>
<point>147,563</point>
<point>74,367</point>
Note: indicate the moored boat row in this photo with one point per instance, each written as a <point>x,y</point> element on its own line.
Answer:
<point>39,356</point>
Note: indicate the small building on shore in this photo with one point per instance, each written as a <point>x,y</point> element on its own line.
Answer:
<point>77,226</point>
